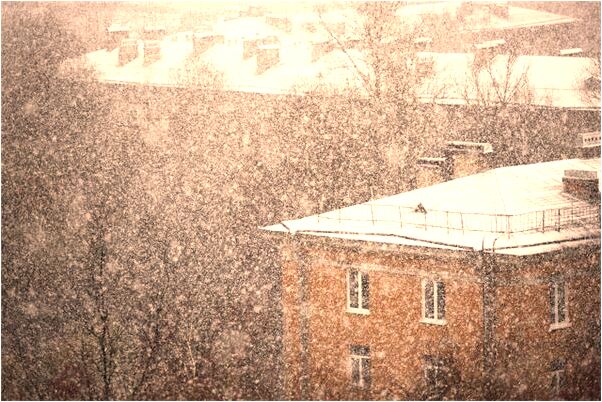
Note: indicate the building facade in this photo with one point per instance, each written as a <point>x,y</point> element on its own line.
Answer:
<point>474,308</point>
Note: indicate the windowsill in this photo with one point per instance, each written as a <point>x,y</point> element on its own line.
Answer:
<point>433,321</point>
<point>560,325</point>
<point>360,311</point>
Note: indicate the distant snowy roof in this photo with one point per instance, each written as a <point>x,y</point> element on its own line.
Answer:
<point>518,17</point>
<point>517,209</point>
<point>553,80</point>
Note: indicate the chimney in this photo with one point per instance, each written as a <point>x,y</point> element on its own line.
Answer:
<point>128,51</point>
<point>491,46</point>
<point>201,41</point>
<point>154,32</point>
<point>279,22</point>
<point>321,48</point>
<point>430,171</point>
<point>116,33</point>
<point>467,158</point>
<point>500,9</point>
<point>588,145</point>
<point>152,51</point>
<point>573,52</point>
<point>249,48</point>
<point>582,184</point>
<point>423,43</point>
<point>267,57</point>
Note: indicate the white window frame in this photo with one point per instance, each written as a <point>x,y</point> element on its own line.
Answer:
<point>363,380</point>
<point>424,318</point>
<point>360,294</point>
<point>560,324</point>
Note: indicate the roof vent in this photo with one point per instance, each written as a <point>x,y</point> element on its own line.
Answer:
<point>583,184</point>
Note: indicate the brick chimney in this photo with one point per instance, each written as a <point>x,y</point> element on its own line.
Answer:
<point>583,184</point>
<point>467,158</point>
<point>320,48</point>
<point>116,33</point>
<point>430,171</point>
<point>500,9</point>
<point>279,22</point>
<point>153,32</point>
<point>486,51</point>
<point>128,51</point>
<point>201,41</point>
<point>573,52</point>
<point>267,57</point>
<point>249,48</point>
<point>152,51</point>
<point>423,44</point>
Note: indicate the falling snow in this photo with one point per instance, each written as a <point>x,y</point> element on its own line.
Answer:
<point>216,200</point>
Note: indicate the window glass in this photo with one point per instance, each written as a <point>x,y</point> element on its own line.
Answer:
<point>561,300</point>
<point>355,370</point>
<point>365,291</point>
<point>360,365</point>
<point>429,303</point>
<point>366,370</point>
<point>553,303</point>
<point>440,300</point>
<point>353,289</point>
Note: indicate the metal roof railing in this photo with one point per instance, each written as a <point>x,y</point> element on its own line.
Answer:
<point>398,217</point>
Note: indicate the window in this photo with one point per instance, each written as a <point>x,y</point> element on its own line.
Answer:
<point>433,302</point>
<point>360,366</point>
<point>559,317</point>
<point>435,376</point>
<point>358,292</point>
<point>558,377</point>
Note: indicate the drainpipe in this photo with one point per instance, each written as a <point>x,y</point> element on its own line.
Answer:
<point>489,283</point>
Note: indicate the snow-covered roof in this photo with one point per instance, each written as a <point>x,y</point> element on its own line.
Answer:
<point>553,80</point>
<point>518,17</point>
<point>516,210</point>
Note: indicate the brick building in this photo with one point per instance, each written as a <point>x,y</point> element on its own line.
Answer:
<point>482,287</point>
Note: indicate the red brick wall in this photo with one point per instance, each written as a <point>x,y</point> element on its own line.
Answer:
<point>524,344</point>
<point>397,339</point>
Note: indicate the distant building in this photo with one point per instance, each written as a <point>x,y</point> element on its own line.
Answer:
<point>256,62</point>
<point>482,287</point>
